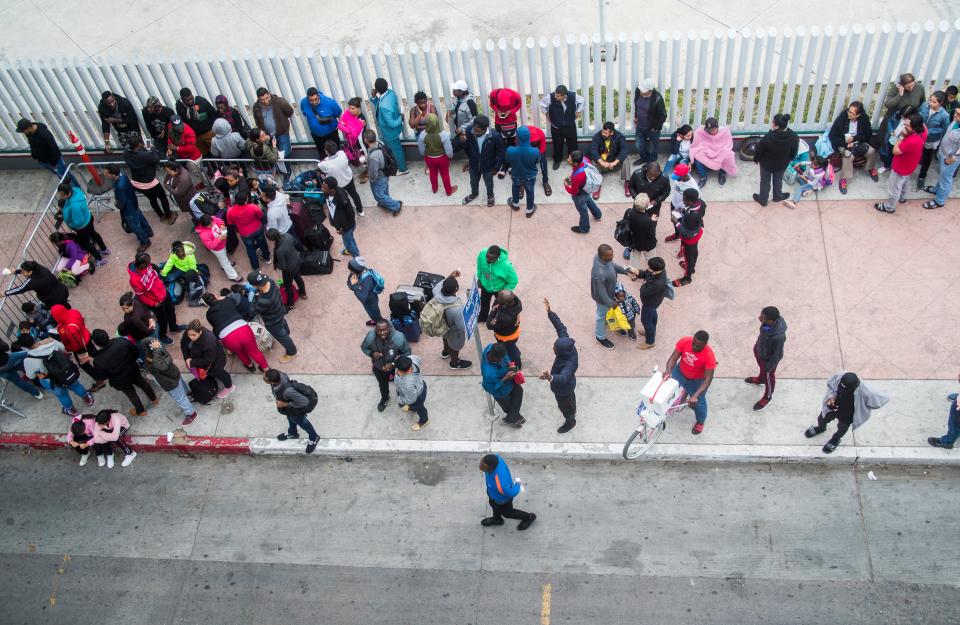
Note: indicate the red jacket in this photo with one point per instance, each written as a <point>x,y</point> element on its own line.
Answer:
<point>248,218</point>
<point>505,103</point>
<point>538,139</point>
<point>578,178</point>
<point>147,285</point>
<point>71,328</point>
<point>188,143</point>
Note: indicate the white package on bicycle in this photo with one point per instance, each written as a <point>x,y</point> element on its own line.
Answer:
<point>657,396</point>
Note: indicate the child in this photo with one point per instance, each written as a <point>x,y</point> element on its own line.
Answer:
<point>351,124</point>
<point>110,429</point>
<point>630,309</point>
<point>813,175</point>
<point>690,230</point>
<point>679,148</point>
<point>182,264</point>
<point>39,316</point>
<point>26,327</point>
<point>159,363</point>
<point>691,204</point>
<point>72,256</point>
<point>80,436</point>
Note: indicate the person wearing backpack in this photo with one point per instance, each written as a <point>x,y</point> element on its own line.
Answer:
<point>295,400</point>
<point>47,362</point>
<point>383,345</point>
<point>584,180</point>
<point>73,333</point>
<point>116,359</point>
<point>445,319</point>
<point>378,172</point>
<point>366,285</point>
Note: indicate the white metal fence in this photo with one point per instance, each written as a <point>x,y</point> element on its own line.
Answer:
<point>742,78</point>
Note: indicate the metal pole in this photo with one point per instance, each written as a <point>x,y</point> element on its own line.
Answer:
<point>476,337</point>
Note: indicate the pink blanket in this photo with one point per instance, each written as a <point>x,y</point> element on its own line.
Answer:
<point>714,151</point>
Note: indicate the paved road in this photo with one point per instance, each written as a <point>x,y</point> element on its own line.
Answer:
<point>245,540</point>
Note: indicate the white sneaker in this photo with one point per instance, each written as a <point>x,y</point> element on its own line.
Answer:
<point>38,396</point>
<point>881,169</point>
<point>101,461</point>
<point>110,461</point>
<point>84,459</point>
<point>128,459</point>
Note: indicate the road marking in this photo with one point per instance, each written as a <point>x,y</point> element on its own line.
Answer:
<point>545,604</point>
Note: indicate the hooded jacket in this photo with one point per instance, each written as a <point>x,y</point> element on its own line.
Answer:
<point>643,230</point>
<point>864,399</point>
<point>326,109</point>
<point>770,342</point>
<point>497,275</point>
<point>395,346</point>
<point>204,353</point>
<point>286,256</point>
<point>157,123</point>
<point>147,285</point>
<point>117,362</point>
<point>110,433</point>
<point>213,238</point>
<point>185,264</point>
<point>456,336</point>
<point>776,149</point>
<point>603,281</point>
<point>432,127</point>
<point>160,365</point>
<point>411,384</point>
<point>49,290</point>
<point>504,320</point>
<point>462,112</point>
<point>71,328</point>
<point>76,212</point>
<point>523,158</point>
<point>278,215</point>
<point>226,143</point>
<point>493,373</point>
<point>89,424</point>
<point>281,110</point>
<point>33,364</point>
<point>505,103</point>
<point>43,147</point>
<point>187,147</point>
<point>284,391</point>
<point>563,372</point>
<point>501,487</point>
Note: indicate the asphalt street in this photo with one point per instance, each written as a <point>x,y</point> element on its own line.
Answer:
<point>183,540</point>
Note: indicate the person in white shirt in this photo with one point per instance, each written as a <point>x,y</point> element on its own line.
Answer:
<point>278,217</point>
<point>338,165</point>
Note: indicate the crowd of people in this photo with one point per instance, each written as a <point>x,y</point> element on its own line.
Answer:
<point>230,179</point>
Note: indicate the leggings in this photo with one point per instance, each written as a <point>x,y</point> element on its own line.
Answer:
<point>102,449</point>
<point>158,200</point>
<point>439,165</point>
<point>243,343</point>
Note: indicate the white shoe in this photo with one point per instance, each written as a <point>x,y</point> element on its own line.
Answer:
<point>101,461</point>
<point>84,459</point>
<point>128,459</point>
<point>38,396</point>
<point>110,461</point>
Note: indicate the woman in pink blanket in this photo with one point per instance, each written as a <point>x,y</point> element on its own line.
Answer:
<point>712,149</point>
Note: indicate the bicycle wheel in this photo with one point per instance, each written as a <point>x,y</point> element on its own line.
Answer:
<point>641,440</point>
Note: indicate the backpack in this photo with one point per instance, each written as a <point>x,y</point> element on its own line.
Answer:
<point>622,233</point>
<point>306,391</point>
<point>433,318</point>
<point>67,279</point>
<point>594,178</point>
<point>204,390</point>
<point>390,167</point>
<point>378,283</point>
<point>207,203</point>
<point>318,238</point>
<point>61,369</point>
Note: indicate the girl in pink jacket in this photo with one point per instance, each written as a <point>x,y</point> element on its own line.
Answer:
<point>110,429</point>
<point>80,436</point>
<point>213,235</point>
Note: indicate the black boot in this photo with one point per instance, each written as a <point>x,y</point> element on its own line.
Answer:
<point>568,425</point>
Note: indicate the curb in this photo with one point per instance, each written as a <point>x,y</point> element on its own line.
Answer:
<point>768,454</point>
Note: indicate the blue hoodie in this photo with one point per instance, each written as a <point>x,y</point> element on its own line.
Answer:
<point>524,159</point>
<point>500,485</point>
<point>327,107</point>
<point>76,213</point>
<point>493,375</point>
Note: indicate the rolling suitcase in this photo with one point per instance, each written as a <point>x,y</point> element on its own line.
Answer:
<point>426,281</point>
<point>415,296</point>
<point>301,218</point>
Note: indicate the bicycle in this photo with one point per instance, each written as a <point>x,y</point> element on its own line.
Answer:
<point>660,397</point>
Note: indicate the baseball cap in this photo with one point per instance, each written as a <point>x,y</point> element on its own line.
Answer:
<point>256,278</point>
<point>153,101</point>
<point>459,85</point>
<point>175,120</point>
<point>682,169</point>
<point>23,124</point>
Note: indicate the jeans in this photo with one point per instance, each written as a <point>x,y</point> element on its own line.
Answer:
<point>953,427</point>
<point>62,393</point>
<point>601,327</point>
<point>397,148</point>
<point>691,386</point>
<point>672,162</point>
<point>646,144</point>
<point>511,404</point>
<point>60,168</point>
<point>543,166</point>
<point>583,202</point>
<point>372,306</point>
<point>945,183</point>
<point>381,194</point>
<point>528,185</point>
<point>419,407</point>
<point>180,395</point>
<point>798,194</point>
<point>284,145</point>
<point>702,169</point>
<point>303,422</point>
<point>138,224</point>
<point>281,332</point>
<point>475,176</point>
<point>765,178</point>
<point>513,352</point>
<point>648,319</point>
<point>254,242</point>
<point>349,243</point>
<point>20,383</point>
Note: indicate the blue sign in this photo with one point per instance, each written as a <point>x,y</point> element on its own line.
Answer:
<point>471,310</point>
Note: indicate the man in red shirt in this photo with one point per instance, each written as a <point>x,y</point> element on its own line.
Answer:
<point>691,364</point>
<point>247,218</point>
<point>505,103</point>
<point>906,156</point>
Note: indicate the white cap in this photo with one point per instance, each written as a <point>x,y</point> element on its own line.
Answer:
<point>459,85</point>
<point>646,85</point>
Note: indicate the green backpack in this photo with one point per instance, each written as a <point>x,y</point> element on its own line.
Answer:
<point>67,279</point>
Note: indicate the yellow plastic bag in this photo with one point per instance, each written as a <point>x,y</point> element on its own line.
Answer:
<point>616,320</point>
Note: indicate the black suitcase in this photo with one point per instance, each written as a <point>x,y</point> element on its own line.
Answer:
<point>204,390</point>
<point>317,262</point>
<point>427,281</point>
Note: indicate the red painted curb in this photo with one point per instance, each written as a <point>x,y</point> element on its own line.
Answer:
<point>189,444</point>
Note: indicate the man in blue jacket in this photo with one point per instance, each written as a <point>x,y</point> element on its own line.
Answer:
<point>126,200</point>
<point>501,489</point>
<point>76,214</point>
<point>389,121</point>
<point>563,374</point>
<point>321,113</point>
<point>524,159</point>
<point>498,381</point>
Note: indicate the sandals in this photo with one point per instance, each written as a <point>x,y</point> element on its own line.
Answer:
<point>932,204</point>
<point>930,190</point>
<point>880,206</point>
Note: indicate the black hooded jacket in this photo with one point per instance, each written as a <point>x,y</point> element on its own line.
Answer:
<point>117,362</point>
<point>563,372</point>
<point>770,344</point>
<point>43,147</point>
<point>506,318</point>
<point>776,149</point>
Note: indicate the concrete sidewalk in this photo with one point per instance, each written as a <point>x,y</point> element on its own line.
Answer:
<point>349,424</point>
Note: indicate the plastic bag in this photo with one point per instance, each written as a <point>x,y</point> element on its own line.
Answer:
<point>616,320</point>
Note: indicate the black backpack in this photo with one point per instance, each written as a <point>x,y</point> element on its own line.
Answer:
<point>622,233</point>
<point>306,391</point>
<point>390,167</point>
<point>60,369</point>
<point>318,238</point>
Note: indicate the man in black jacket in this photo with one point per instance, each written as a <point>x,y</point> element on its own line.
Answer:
<point>294,400</point>
<point>563,372</point>
<point>44,149</point>
<point>485,151</point>
<point>270,307</point>
<point>199,114</point>
<point>156,117</point>
<point>608,150</point>
<point>343,217</point>
<point>652,292</point>
<point>649,179</point>
<point>116,361</point>
<point>287,258</point>
<point>850,136</point>
<point>649,115</point>
<point>768,350</point>
<point>504,320</point>
<point>117,112</point>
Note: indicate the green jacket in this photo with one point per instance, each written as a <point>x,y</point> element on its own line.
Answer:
<point>185,264</point>
<point>497,276</point>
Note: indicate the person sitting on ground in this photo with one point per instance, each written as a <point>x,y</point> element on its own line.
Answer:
<point>813,175</point>
<point>712,149</point>
<point>849,135</point>
<point>39,353</point>
<point>182,265</point>
<point>607,152</point>
<point>680,142</point>
<point>73,258</point>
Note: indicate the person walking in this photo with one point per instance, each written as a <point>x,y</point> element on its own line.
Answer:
<point>76,214</point>
<point>376,174</point>
<point>454,339</point>
<point>523,160</point>
<point>366,285</point>
<point>38,279</point>
<point>54,371</point>
<point>953,423</point>
<point>234,332</point>
<point>116,360</point>
<point>411,389</point>
<point>44,149</point>
<point>499,379</point>
<point>768,351</point>
<point>504,321</point>
<point>389,121</point>
<point>111,428</point>
<point>848,401</point>
<point>159,363</point>
<point>563,372</point>
<point>272,113</point>
<point>288,259</point>
<point>199,115</point>
<point>774,152</point>
<point>125,199</point>
<point>949,155</point>
<point>562,109</point>
<point>907,152</point>
<point>495,272</point>
<point>654,288</point>
<point>437,150</point>
<point>269,306</point>
<point>575,185</point>
<point>501,491</point>
<point>294,400</point>
<point>143,164</point>
<point>692,364</point>
<point>337,164</point>
<point>343,217</point>
<point>213,234</point>
<point>116,112</point>
<point>485,153</point>
<point>204,356</point>
<point>649,116</point>
<point>690,229</point>
<point>603,283</point>
<point>383,345</point>
<point>321,112</point>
